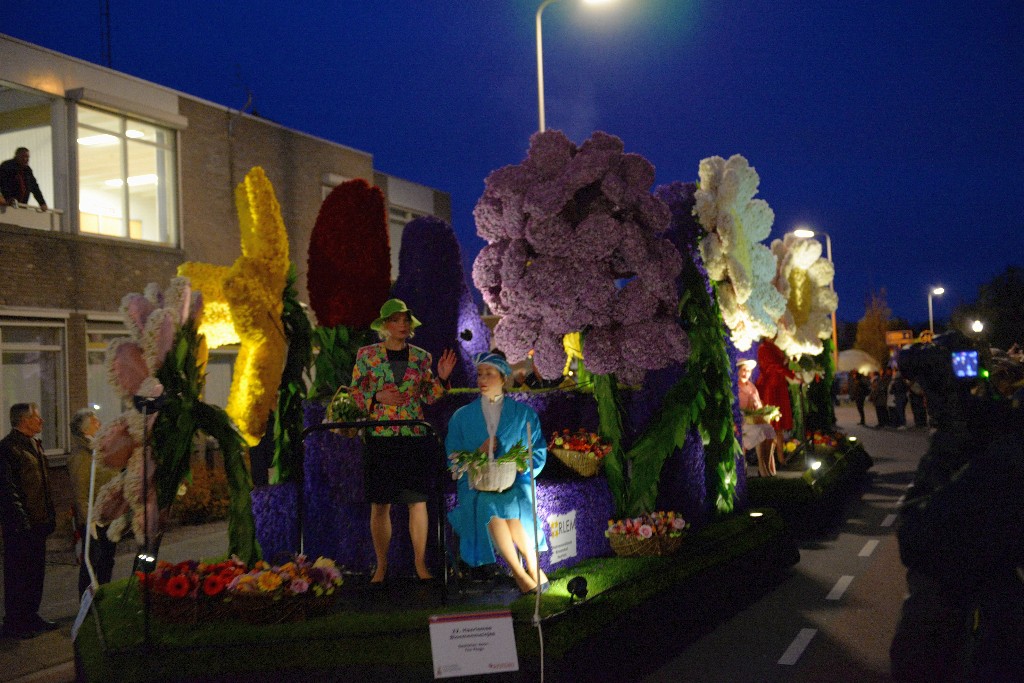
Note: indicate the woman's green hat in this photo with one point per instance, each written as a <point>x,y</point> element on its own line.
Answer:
<point>390,307</point>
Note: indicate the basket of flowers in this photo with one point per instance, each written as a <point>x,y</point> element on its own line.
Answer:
<point>582,452</point>
<point>762,415</point>
<point>486,473</point>
<point>657,533</point>
<point>190,592</point>
<point>343,408</point>
<point>824,443</point>
<point>285,593</point>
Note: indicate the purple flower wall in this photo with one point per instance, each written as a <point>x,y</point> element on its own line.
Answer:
<point>432,283</point>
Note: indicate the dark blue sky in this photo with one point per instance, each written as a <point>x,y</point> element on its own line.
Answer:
<point>898,127</point>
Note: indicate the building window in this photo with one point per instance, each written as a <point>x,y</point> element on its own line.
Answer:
<point>25,121</point>
<point>126,178</point>
<point>32,371</point>
<point>398,218</point>
<point>103,398</point>
<point>219,370</point>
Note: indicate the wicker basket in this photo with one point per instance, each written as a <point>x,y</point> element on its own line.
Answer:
<point>331,417</point>
<point>633,546</point>
<point>493,476</point>
<point>189,610</point>
<point>581,463</point>
<point>262,609</point>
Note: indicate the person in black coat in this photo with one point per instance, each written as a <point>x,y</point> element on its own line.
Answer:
<point>27,517</point>
<point>17,181</point>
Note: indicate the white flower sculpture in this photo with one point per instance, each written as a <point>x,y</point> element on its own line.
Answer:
<point>743,268</point>
<point>804,279</point>
<point>152,319</point>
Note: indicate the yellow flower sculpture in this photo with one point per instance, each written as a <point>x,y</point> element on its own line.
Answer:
<point>804,279</point>
<point>216,326</point>
<point>248,295</point>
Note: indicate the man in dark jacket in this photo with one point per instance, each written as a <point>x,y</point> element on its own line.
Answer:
<point>17,181</point>
<point>27,517</point>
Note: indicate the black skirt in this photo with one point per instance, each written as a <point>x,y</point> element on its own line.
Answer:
<point>398,469</point>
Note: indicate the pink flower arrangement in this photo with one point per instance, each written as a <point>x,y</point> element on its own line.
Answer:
<point>669,524</point>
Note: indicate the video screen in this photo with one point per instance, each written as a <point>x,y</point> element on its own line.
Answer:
<point>965,363</point>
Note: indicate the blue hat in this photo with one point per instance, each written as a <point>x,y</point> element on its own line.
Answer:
<point>495,361</point>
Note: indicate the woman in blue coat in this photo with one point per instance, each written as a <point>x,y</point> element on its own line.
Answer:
<point>487,521</point>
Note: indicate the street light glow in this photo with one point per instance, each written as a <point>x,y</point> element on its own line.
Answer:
<point>804,232</point>
<point>977,326</point>
<point>540,54</point>
<point>934,291</point>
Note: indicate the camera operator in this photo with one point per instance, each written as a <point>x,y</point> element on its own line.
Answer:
<point>960,532</point>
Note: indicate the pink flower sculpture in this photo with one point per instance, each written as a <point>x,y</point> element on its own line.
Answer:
<point>576,244</point>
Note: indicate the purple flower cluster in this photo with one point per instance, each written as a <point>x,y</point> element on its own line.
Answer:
<point>565,229</point>
<point>433,285</point>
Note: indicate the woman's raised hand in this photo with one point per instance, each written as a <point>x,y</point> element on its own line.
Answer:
<point>445,364</point>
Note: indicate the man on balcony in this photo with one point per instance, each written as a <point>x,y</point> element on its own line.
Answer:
<point>17,181</point>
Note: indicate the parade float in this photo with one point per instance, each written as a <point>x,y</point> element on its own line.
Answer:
<point>638,300</point>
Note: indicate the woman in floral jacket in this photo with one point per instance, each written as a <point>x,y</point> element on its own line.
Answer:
<point>392,380</point>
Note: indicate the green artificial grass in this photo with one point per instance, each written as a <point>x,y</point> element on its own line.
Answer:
<point>395,645</point>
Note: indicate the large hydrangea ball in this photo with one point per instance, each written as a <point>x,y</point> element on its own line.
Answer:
<point>575,244</point>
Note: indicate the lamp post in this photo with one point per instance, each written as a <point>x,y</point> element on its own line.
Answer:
<point>807,233</point>
<point>934,291</point>
<point>540,55</point>
<point>977,327</point>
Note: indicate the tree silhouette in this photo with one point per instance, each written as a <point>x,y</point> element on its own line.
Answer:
<point>872,328</point>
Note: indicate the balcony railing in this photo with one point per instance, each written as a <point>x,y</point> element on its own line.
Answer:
<point>32,217</point>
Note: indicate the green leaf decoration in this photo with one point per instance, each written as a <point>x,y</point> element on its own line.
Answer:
<point>287,419</point>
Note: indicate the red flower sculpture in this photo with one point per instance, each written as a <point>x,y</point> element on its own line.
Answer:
<point>349,257</point>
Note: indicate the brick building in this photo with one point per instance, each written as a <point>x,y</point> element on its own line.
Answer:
<point>140,178</point>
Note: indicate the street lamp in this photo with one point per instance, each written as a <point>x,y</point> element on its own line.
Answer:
<point>808,234</point>
<point>977,326</point>
<point>934,291</point>
<point>540,55</point>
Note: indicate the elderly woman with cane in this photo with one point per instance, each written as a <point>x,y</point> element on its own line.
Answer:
<point>504,521</point>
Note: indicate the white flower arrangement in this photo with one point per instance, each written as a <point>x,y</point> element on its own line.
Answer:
<point>804,279</point>
<point>736,223</point>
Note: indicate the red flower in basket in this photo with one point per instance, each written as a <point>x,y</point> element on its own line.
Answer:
<point>214,585</point>
<point>178,586</point>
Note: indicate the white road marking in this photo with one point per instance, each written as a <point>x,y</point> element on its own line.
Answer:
<point>889,519</point>
<point>868,548</point>
<point>841,585</point>
<point>797,647</point>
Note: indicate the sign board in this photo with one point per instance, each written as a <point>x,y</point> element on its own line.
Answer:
<point>899,337</point>
<point>562,536</point>
<point>83,609</point>
<point>473,643</point>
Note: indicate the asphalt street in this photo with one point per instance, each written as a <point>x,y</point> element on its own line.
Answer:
<point>834,617</point>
